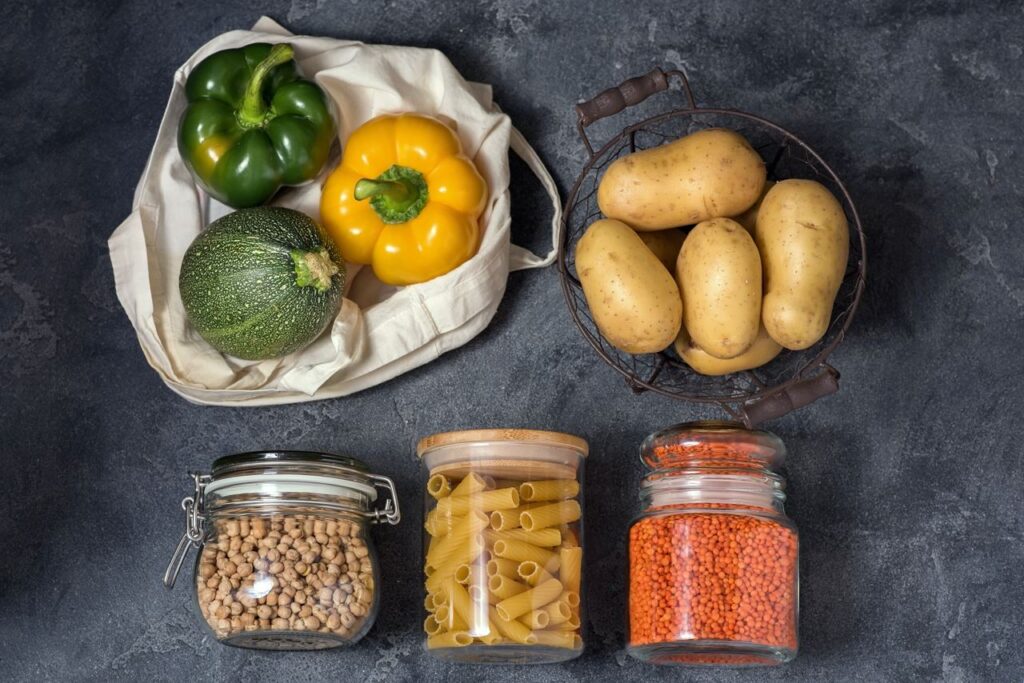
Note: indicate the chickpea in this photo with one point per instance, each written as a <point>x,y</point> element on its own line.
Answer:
<point>319,571</point>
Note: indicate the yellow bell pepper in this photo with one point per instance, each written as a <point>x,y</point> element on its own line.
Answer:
<point>405,199</point>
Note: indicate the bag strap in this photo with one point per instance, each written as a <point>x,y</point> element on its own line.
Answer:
<point>521,258</point>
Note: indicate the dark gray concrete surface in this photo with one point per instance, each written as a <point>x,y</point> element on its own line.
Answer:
<point>907,486</point>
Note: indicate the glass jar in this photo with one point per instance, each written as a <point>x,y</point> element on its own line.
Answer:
<point>713,559</point>
<point>503,546</point>
<point>285,559</point>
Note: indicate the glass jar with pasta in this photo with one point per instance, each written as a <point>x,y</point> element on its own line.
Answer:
<point>503,545</point>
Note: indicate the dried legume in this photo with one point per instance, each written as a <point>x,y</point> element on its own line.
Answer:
<point>286,573</point>
<point>712,576</point>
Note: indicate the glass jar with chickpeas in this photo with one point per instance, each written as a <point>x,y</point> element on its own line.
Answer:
<point>285,560</point>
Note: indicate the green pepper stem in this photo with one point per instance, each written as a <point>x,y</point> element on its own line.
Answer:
<point>253,110</point>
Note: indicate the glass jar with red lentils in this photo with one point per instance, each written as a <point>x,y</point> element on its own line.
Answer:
<point>713,559</point>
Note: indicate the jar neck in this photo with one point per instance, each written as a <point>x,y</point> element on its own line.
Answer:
<point>283,508</point>
<point>759,489</point>
<point>294,492</point>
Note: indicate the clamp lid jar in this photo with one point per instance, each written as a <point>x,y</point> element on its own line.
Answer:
<point>713,559</point>
<point>285,559</point>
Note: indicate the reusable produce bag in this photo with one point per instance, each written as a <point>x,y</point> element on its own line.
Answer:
<point>381,331</point>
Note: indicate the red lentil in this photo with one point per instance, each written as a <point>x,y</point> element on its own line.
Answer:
<point>712,582</point>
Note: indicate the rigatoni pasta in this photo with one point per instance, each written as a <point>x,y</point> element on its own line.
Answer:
<point>503,587</point>
<point>535,620</point>
<point>499,565</point>
<point>438,486</point>
<point>550,515</point>
<point>533,573</point>
<point>570,568</point>
<point>471,483</point>
<point>517,550</point>
<point>480,501</point>
<point>449,639</point>
<point>503,559</point>
<point>553,489</point>
<point>520,604</point>
<point>559,612</point>
<point>545,538</point>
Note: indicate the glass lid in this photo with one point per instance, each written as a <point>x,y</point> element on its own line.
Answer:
<point>712,443</point>
<point>284,459</point>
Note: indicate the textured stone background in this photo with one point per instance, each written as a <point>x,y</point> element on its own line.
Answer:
<point>907,485</point>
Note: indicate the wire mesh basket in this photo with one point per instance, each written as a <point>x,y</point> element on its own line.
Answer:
<point>791,380</point>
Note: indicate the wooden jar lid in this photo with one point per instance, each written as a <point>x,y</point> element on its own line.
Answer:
<point>530,436</point>
<point>512,454</point>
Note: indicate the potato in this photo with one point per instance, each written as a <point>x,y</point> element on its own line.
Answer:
<point>804,242</point>
<point>760,352</point>
<point>707,174</point>
<point>719,274</point>
<point>631,295</point>
<point>748,219</point>
<point>665,244</point>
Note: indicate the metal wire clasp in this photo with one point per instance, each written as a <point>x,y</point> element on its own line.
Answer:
<point>195,527</point>
<point>391,513</point>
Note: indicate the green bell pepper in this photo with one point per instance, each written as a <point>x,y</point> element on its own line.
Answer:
<point>252,124</point>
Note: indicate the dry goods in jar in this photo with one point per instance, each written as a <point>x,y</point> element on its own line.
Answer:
<point>713,559</point>
<point>503,563</point>
<point>286,573</point>
<point>712,576</point>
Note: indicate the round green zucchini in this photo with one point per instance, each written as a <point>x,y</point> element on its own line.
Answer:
<point>261,283</point>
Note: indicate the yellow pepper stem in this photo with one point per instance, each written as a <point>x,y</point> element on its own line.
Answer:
<point>397,195</point>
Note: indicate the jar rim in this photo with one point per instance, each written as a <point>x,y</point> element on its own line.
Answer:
<point>537,437</point>
<point>287,476</point>
<point>226,464</point>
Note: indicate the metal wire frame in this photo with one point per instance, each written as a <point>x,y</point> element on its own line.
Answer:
<point>786,156</point>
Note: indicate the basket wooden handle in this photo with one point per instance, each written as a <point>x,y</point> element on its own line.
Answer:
<point>613,100</point>
<point>792,397</point>
<point>631,91</point>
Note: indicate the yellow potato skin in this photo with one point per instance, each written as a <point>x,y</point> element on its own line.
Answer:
<point>719,276</point>
<point>710,173</point>
<point>804,241</point>
<point>665,244</point>
<point>748,219</point>
<point>631,295</point>
<point>760,352</point>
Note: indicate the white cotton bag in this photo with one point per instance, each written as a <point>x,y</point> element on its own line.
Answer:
<point>380,331</point>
